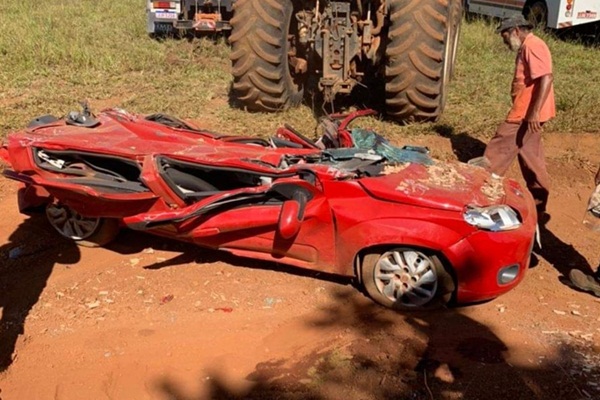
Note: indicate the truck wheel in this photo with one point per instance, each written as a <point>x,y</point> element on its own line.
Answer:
<point>420,55</point>
<point>260,39</point>
<point>85,231</point>
<point>406,278</point>
<point>536,12</point>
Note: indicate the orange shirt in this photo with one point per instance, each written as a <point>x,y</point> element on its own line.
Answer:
<point>533,61</point>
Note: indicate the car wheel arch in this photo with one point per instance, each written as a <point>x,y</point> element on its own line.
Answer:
<point>355,241</point>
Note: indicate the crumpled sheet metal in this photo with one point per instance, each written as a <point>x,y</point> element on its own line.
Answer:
<point>439,175</point>
<point>365,139</point>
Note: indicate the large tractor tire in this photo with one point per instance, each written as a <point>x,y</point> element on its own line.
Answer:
<point>263,80</point>
<point>420,55</point>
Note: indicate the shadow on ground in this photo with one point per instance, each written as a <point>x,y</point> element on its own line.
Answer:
<point>26,262</point>
<point>381,354</point>
<point>370,353</point>
<point>562,256</point>
<point>464,146</point>
<point>132,242</point>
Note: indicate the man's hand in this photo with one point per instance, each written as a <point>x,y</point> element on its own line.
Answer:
<point>533,122</point>
<point>534,126</point>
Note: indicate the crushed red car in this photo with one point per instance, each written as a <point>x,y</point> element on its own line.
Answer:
<point>414,232</point>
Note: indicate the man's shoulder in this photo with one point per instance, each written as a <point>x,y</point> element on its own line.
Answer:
<point>534,41</point>
<point>537,57</point>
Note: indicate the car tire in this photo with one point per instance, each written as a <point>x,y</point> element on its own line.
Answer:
<point>419,57</point>
<point>415,279</point>
<point>262,78</point>
<point>85,231</point>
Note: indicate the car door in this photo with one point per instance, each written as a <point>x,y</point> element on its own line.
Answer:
<point>288,219</point>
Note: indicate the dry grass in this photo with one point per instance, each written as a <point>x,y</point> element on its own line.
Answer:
<point>59,52</point>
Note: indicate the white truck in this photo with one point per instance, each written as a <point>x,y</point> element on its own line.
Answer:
<point>556,14</point>
<point>181,16</point>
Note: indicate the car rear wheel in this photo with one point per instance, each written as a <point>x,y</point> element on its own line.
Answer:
<point>85,231</point>
<point>406,278</point>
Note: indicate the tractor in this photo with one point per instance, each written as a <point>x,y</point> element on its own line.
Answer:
<point>282,48</point>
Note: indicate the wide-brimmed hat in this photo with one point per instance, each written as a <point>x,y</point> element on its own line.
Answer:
<point>514,21</point>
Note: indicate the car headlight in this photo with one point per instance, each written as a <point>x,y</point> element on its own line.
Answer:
<point>492,218</point>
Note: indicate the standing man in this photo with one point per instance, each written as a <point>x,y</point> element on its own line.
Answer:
<point>533,105</point>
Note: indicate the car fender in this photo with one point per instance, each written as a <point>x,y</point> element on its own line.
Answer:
<point>391,232</point>
<point>29,195</point>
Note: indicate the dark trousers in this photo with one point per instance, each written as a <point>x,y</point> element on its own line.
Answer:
<point>515,140</point>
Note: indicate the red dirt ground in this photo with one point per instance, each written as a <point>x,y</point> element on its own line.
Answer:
<point>147,318</point>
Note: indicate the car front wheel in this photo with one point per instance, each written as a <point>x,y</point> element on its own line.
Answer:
<point>85,231</point>
<point>406,278</point>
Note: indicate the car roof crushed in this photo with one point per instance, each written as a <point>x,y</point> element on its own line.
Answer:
<point>342,153</point>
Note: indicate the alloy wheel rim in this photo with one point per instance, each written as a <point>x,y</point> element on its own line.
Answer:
<point>70,223</point>
<point>406,277</point>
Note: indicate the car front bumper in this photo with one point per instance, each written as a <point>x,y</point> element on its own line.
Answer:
<point>488,264</point>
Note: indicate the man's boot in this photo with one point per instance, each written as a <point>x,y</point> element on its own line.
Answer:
<point>585,282</point>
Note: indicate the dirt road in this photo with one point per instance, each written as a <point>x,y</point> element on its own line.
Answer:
<point>147,318</point>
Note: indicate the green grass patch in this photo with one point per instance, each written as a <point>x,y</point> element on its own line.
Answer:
<point>57,52</point>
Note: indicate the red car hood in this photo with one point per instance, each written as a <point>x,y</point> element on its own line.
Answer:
<point>448,186</point>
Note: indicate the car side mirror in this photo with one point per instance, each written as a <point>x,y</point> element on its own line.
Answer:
<point>292,215</point>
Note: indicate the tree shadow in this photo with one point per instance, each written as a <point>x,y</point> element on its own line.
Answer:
<point>382,354</point>
<point>133,242</point>
<point>27,261</point>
